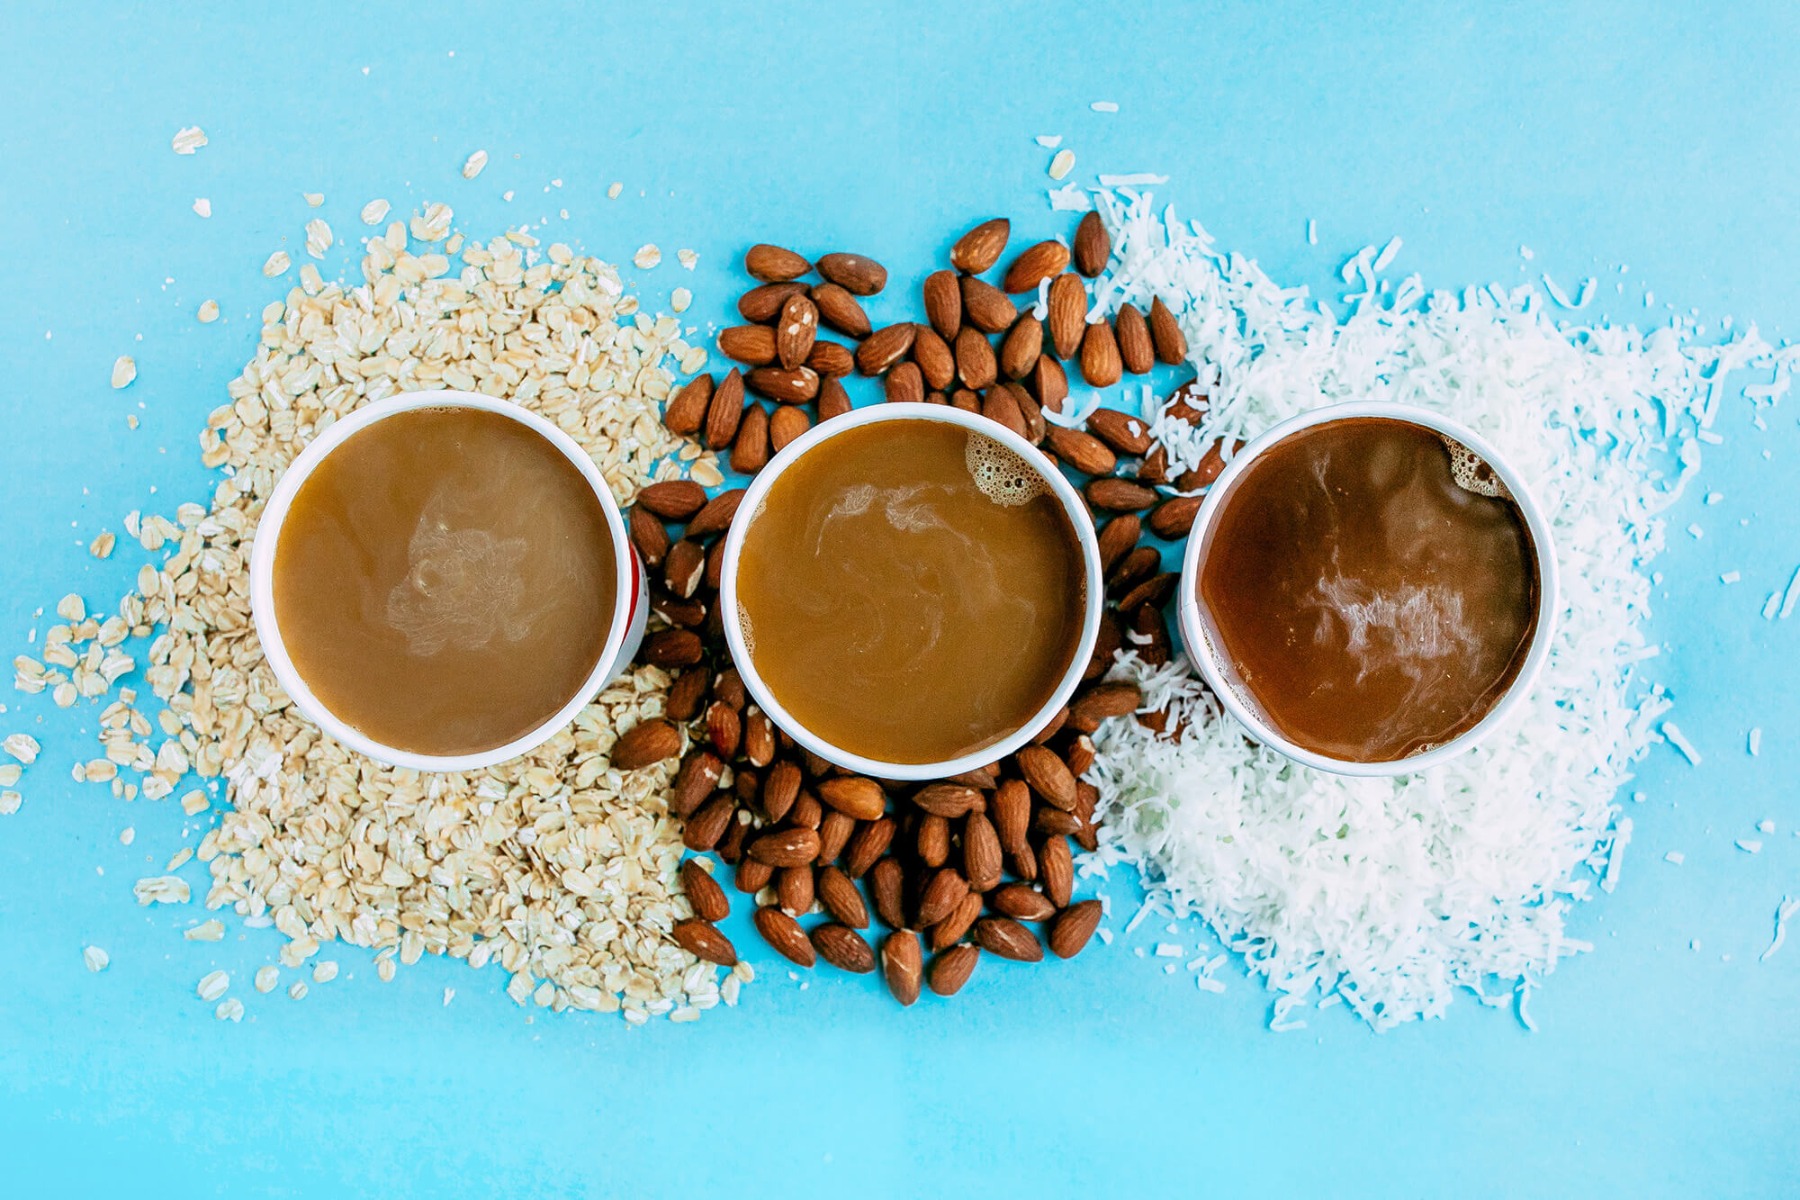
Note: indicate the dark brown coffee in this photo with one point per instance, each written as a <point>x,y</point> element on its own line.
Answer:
<point>1371,587</point>
<point>445,580</point>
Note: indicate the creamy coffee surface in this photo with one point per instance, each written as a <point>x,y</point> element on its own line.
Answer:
<point>1372,589</point>
<point>911,591</point>
<point>445,580</point>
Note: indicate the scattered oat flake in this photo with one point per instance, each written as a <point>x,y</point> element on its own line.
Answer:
<point>647,257</point>
<point>230,1010</point>
<point>208,312</point>
<point>213,985</point>
<point>127,836</point>
<point>318,237</point>
<point>161,889</point>
<point>474,163</point>
<point>266,978</point>
<point>433,225</point>
<point>1049,141</point>
<point>278,263</point>
<point>21,746</point>
<point>124,371</point>
<point>72,608</point>
<point>95,958</point>
<point>188,139</point>
<point>612,193</point>
<point>206,931</point>
<point>687,258</point>
<point>203,206</point>
<point>9,803</point>
<point>313,199</point>
<point>680,298</point>
<point>374,212</point>
<point>297,990</point>
<point>1104,106</point>
<point>103,545</point>
<point>1062,164</point>
<point>325,972</point>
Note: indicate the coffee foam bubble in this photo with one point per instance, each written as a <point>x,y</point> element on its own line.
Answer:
<point>1000,474</point>
<point>1472,472</point>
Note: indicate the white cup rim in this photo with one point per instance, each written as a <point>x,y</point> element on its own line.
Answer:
<point>1205,659</point>
<point>1079,518</point>
<point>262,572</point>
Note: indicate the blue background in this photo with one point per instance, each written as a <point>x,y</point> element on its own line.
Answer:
<point>1659,137</point>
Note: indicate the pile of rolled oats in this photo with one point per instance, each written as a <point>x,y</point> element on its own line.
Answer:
<point>557,866</point>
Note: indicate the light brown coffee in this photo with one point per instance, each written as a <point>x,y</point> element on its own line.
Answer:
<point>1372,587</point>
<point>444,581</point>
<point>911,591</point>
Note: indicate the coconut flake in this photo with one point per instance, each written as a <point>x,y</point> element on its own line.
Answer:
<point>1784,912</point>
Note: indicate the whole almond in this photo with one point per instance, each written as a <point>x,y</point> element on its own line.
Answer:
<point>715,575</point>
<point>943,892</point>
<point>843,948</point>
<point>870,841</point>
<point>1132,570</point>
<point>1123,432</point>
<point>1029,412</point>
<point>981,853</point>
<point>855,273</point>
<point>999,406</point>
<point>795,331</point>
<point>648,536</point>
<point>1073,928</point>
<point>716,517</point>
<point>785,935</point>
<point>780,788</point>
<point>1080,756</point>
<point>933,840</point>
<point>1083,451</point>
<point>840,310</point>
<point>953,928</point>
<point>750,344</point>
<point>751,876</point>
<point>686,694</point>
<point>694,782</point>
<point>981,247</point>
<point>724,730</point>
<point>885,347</point>
<point>831,359</point>
<point>947,799</point>
<point>1049,383</point>
<point>902,965</point>
<point>1034,265</point>
<point>1189,402</point>
<point>1136,354</point>
<point>1155,465</point>
<point>794,889</point>
<point>1165,333</point>
<point>673,499</point>
<point>1056,867</point>
<point>725,411</point>
<point>936,362</point>
<point>784,386</point>
<point>975,364</point>
<point>772,264</point>
<point>834,834</point>
<point>687,613</point>
<point>1022,903</point>
<point>838,894</point>
<point>1047,775</point>
<point>683,567</point>
<point>855,796</point>
<point>1119,495</point>
<point>1024,342</point>
<point>943,303</point>
<point>1155,591</point>
<point>1101,702</point>
<point>1106,644</point>
<point>704,942</point>
<point>760,305</point>
<point>673,648</point>
<point>951,969</point>
<point>807,811</point>
<point>887,885</point>
<point>704,895</point>
<point>795,847</point>
<point>966,400</point>
<point>834,401</point>
<point>686,412</point>
<point>1067,310</point>
<point>785,424</point>
<point>1092,245</point>
<point>1011,807</point>
<point>1008,939</point>
<point>1101,365</point>
<point>904,384</point>
<point>649,741</point>
<point>1023,862</point>
<point>985,306</point>
<point>710,821</point>
<point>759,737</point>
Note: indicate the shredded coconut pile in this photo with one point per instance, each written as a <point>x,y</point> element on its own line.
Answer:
<point>1394,893</point>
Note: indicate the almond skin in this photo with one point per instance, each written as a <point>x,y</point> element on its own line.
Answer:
<point>704,942</point>
<point>943,303</point>
<point>780,788</point>
<point>887,886</point>
<point>753,345</point>
<point>673,499</point>
<point>751,876</point>
<point>1155,466</point>
<point>1022,903</point>
<point>1119,495</point>
<point>750,449</point>
<point>885,347</point>
<point>1136,353</point>
<point>1047,775</point>
<point>975,364</point>
<point>843,948</point>
<point>1092,245</point>
<point>648,536</point>
<point>1073,928</point>
<point>1068,305</point>
<point>1101,365</point>
<point>1117,539</point>
<point>937,363</point>
<point>794,889</point>
<point>948,800</point>
<point>686,412</point>
<point>1124,433</point>
<point>759,734</point>
<point>1154,591</point>
<point>1034,265</point>
<point>1083,451</point>
<point>1049,383</point>
<point>1011,808</point>
<point>1132,570</point>
<point>855,273</point>
<point>785,847</point>
<point>840,310</point>
<point>785,424</point>
<point>1007,938</point>
<point>724,730</point>
<point>1165,333</point>
<point>981,853</point>
<point>841,899</point>
<point>1101,702</point>
<point>902,965</point>
<point>716,517</point>
<point>943,892</point>
<point>980,248</point>
<point>796,330</point>
<point>1056,867</point>
<point>695,781</point>
<point>725,411</point>
<point>686,693</point>
<point>785,935</point>
<point>951,969</point>
<point>831,358</point>
<point>834,401</point>
<point>870,841</point>
<point>854,796</point>
<point>904,384</point>
<point>784,386</point>
<point>933,840</point>
<point>986,307</point>
<point>673,647</point>
<point>1174,517</point>
<point>760,305</point>
<point>1024,342</point>
<point>772,264</point>
<point>647,742</point>
<point>951,929</point>
<point>704,895</point>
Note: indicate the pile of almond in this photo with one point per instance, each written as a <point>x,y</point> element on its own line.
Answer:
<point>960,866</point>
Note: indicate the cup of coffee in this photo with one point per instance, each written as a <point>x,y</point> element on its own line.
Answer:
<point>1369,589</point>
<point>441,580</point>
<point>911,591</point>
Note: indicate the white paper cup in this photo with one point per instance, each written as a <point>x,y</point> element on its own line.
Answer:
<point>1207,658</point>
<point>1066,495</point>
<point>631,605</point>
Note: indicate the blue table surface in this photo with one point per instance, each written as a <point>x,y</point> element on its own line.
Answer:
<point>1654,137</point>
